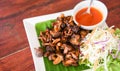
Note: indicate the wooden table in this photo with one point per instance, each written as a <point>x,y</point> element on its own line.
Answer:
<point>15,54</point>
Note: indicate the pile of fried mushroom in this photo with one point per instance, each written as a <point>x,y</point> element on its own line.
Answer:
<point>61,42</point>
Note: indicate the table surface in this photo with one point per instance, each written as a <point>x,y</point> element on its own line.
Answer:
<point>15,54</point>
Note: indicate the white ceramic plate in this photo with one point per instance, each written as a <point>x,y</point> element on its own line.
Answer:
<point>29,25</point>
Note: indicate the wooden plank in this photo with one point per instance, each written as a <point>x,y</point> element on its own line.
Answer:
<point>18,61</point>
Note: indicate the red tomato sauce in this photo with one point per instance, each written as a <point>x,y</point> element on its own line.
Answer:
<point>87,19</point>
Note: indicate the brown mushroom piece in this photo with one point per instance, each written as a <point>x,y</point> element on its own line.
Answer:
<point>55,41</point>
<point>73,54</point>
<point>56,26</point>
<point>48,44</point>
<point>83,33</point>
<point>68,20</point>
<point>63,25</point>
<point>48,36</point>
<point>46,54</point>
<point>58,46</point>
<point>52,56</point>
<point>67,32</point>
<point>55,34</point>
<point>39,52</point>
<point>58,59</point>
<point>68,56</point>
<point>64,39</point>
<point>42,37</point>
<point>75,29</point>
<point>75,39</point>
<point>69,62</point>
<point>71,20</point>
<point>45,36</point>
<point>49,48</point>
<point>66,48</point>
<point>60,17</point>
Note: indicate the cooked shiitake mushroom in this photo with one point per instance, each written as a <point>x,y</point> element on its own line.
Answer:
<point>39,52</point>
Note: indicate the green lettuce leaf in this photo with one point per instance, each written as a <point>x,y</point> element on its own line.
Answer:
<point>117,32</point>
<point>42,26</point>
<point>112,64</point>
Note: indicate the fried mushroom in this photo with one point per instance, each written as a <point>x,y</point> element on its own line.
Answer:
<point>39,52</point>
<point>75,39</point>
<point>69,62</point>
<point>58,59</point>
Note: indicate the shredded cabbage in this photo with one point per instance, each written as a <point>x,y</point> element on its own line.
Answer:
<point>98,45</point>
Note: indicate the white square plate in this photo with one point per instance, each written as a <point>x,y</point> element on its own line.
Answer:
<point>29,25</point>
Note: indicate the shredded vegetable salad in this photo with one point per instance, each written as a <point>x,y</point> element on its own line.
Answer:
<point>99,46</point>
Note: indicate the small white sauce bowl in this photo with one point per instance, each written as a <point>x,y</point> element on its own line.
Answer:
<point>96,4</point>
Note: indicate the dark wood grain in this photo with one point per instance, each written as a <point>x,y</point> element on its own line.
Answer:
<point>15,54</point>
<point>113,12</point>
<point>18,61</point>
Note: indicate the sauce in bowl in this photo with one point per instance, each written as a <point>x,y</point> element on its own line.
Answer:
<point>86,19</point>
